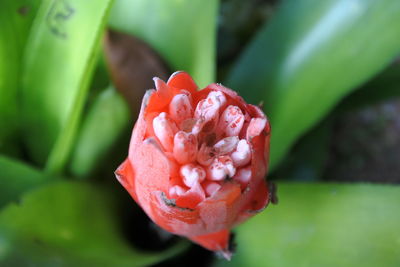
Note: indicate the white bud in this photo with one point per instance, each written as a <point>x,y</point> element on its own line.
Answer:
<point>192,174</point>
<point>165,129</point>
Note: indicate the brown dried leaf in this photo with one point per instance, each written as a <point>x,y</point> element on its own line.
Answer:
<point>132,65</point>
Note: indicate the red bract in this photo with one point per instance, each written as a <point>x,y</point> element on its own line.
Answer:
<point>197,160</point>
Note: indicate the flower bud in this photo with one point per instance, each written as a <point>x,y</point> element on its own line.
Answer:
<point>197,160</point>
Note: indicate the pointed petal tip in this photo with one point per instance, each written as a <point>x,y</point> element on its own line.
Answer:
<point>182,80</point>
<point>146,98</point>
<point>226,254</point>
<point>152,141</point>
<point>220,242</point>
<point>163,91</point>
<point>179,74</point>
<point>158,83</point>
<point>123,172</point>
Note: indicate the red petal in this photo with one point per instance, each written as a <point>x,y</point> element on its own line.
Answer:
<point>182,80</point>
<point>218,241</point>
<point>126,177</point>
<point>260,199</point>
<point>191,198</point>
<point>160,99</point>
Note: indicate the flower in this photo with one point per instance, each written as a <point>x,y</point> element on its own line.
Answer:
<point>197,160</point>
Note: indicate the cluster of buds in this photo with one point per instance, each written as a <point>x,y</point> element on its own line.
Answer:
<point>197,160</point>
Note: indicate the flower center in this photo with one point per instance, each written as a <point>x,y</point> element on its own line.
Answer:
<point>206,142</point>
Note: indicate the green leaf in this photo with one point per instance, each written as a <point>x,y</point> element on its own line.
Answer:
<point>312,54</point>
<point>324,225</point>
<point>308,158</point>
<point>15,21</point>
<point>182,31</point>
<point>17,178</point>
<point>69,224</point>
<point>107,118</point>
<point>60,57</point>
<point>101,77</point>
<point>383,87</point>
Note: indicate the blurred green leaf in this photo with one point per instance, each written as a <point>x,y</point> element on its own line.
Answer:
<point>108,116</point>
<point>182,31</point>
<point>69,224</point>
<point>384,86</point>
<point>324,225</point>
<point>101,78</point>
<point>15,21</point>
<point>17,178</point>
<point>60,57</point>
<point>308,158</point>
<point>309,56</point>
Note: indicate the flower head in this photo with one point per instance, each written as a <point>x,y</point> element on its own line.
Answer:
<point>197,160</point>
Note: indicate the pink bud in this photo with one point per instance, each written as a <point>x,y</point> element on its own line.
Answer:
<point>207,113</point>
<point>180,108</point>
<point>242,154</point>
<point>231,121</point>
<point>176,191</point>
<point>185,147</point>
<point>192,174</point>
<point>205,155</point>
<point>164,129</point>
<point>243,176</point>
<point>226,145</point>
<point>211,188</point>
<point>221,168</point>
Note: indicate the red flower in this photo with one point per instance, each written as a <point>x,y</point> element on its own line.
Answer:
<point>197,160</point>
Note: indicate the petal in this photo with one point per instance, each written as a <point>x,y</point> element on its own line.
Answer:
<point>211,188</point>
<point>160,99</point>
<point>220,210</point>
<point>141,126</point>
<point>218,241</point>
<point>192,197</point>
<point>182,80</point>
<point>126,177</point>
<point>162,88</point>
<point>258,200</point>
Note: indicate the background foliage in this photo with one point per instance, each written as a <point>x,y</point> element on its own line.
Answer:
<point>72,74</point>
